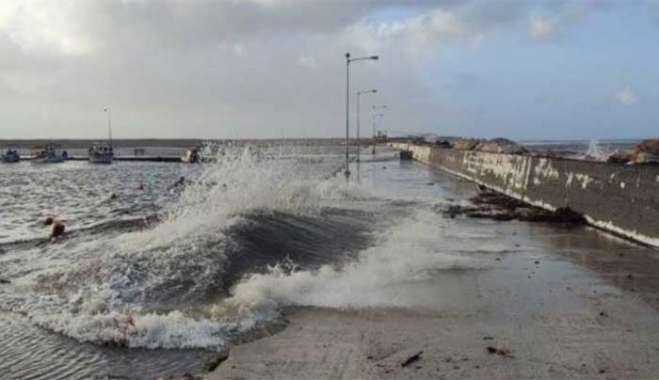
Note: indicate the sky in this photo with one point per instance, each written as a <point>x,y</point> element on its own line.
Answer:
<point>554,69</point>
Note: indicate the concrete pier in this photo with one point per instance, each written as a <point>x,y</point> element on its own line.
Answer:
<point>123,158</point>
<point>622,199</point>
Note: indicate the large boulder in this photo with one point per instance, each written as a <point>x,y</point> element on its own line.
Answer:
<point>646,152</point>
<point>501,145</point>
<point>620,157</point>
<point>465,144</point>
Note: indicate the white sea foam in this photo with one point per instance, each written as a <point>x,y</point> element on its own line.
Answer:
<point>596,152</point>
<point>408,252</point>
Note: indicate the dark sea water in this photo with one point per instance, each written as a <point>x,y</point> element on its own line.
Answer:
<point>156,281</point>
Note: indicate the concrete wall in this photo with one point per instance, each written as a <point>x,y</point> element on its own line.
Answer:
<point>623,199</point>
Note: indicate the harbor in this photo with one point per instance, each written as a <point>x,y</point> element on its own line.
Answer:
<point>329,190</point>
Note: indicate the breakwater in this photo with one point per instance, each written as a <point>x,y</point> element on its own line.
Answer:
<point>622,199</point>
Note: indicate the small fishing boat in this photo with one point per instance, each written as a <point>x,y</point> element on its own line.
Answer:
<point>100,154</point>
<point>11,156</point>
<point>48,154</point>
<point>191,156</point>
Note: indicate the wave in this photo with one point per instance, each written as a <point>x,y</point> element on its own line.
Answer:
<point>243,239</point>
<point>406,253</point>
<point>156,287</point>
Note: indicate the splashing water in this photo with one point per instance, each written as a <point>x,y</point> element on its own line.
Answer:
<point>406,253</point>
<point>150,288</point>
<point>595,151</point>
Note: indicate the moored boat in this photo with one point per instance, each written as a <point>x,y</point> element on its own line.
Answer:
<point>191,156</point>
<point>100,154</point>
<point>11,156</point>
<point>48,154</point>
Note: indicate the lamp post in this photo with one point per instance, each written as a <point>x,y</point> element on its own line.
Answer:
<point>375,108</point>
<point>109,112</point>
<point>359,93</point>
<point>348,60</point>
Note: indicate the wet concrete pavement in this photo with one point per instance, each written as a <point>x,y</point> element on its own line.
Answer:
<point>554,302</point>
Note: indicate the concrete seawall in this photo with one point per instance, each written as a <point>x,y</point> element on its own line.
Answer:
<point>623,199</point>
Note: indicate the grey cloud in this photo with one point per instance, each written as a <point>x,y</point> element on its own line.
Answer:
<point>170,68</point>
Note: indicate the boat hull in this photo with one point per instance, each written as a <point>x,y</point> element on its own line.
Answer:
<point>48,160</point>
<point>10,159</point>
<point>100,159</point>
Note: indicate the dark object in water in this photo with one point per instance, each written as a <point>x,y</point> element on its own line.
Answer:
<point>412,359</point>
<point>177,184</point>
<point>499,351</point>
<point>57,228</point>
<point>4,281</point>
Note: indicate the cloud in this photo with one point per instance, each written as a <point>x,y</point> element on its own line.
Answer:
<point>627,96</point>
<point>307,61</point>
<point>542,28</point>
<point>44,26</point>
<point>207,68</point>
<point>238,50</point>
<point>418,33</point>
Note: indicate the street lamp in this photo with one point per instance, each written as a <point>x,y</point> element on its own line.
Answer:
<point>109,112</point>
<point>373,109</point>
<point>348,60</point>
<point>359,93</point>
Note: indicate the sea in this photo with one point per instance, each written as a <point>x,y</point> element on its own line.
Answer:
<point>154,279</point>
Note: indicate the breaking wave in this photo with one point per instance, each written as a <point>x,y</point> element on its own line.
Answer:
<point>245,236</point>
<point>155,287</point>
<point>405,253</point>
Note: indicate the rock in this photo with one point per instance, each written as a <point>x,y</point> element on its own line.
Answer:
<point>465,144</point>
<point>646,152</point>
<point>212,364</point>
<point>620,157</point>
<point>492,205</point>
<point>500,145</point>
<point>443,144</point>
<point>411,359</point>
<point>649,146</point>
